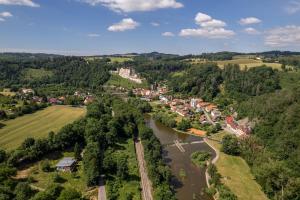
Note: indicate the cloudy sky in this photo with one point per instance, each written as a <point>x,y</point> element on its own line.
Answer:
<point>86,27</point>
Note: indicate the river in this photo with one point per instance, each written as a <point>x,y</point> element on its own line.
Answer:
<point>189,181</point>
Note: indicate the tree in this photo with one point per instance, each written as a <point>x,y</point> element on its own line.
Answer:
<point>184,125</point>
<point>69,194</point>
<point>77,151</point>
<point>23,191</point>
<point>92,163</point>
<point>122,166</point>
<point>2,155</point>
<point>28,142</point>
<point>230,145</point>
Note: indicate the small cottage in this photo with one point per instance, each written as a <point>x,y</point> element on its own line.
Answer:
<point>67,164</point>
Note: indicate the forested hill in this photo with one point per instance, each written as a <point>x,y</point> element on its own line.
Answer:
<point>69,71</point>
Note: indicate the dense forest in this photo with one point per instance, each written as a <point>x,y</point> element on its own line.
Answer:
<point>207,80</point>
<point>274,151</point>
<point>69,71</point>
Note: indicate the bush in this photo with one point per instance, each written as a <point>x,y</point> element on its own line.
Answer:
<point>45,166</point>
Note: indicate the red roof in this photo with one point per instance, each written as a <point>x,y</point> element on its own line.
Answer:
<point>231,122</point>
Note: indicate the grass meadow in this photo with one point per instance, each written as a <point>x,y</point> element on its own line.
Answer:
<point>37,125</point>
<point>236,174</point>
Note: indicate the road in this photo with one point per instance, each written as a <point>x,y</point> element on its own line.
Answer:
<point>145,181</point>
<point>209,118</point>
<point>101,190</point>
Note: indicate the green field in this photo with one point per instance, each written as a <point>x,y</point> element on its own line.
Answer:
<point>243,62</point>
<point>37,125</point>
<point>236,174</point>
<point>120,59</point>
<point>118,81</point>
<point>35,74</point>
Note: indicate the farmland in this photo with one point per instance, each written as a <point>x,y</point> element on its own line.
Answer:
<point>243,62</point>
<point>37,125</point>
<point>236,174</point>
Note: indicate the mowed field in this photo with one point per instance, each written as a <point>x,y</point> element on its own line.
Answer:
<point>37,125</point>
<point>236,173</point>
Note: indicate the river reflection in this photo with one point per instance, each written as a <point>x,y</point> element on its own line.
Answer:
<point>189,181</point>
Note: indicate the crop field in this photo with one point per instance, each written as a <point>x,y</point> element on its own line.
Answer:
<point>37,125</point>
<point>236,174</point>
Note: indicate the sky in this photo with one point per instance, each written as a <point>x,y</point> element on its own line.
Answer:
<point>93,27</point>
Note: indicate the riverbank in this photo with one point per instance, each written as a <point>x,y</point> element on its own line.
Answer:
<point>235,172</point>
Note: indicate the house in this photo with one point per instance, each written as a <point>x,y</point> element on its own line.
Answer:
<point>27,91</point>
<point>239,130</point>
<point>194,102</point>
<point>210,107</point>
<point>202,105</point>
<point>54,101</point>
<point>88,100</point>
<point>67,164</point>
<point>203,119</point>
<point>215,114</point>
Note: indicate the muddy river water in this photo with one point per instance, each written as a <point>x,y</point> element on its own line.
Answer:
<point>189,181</point>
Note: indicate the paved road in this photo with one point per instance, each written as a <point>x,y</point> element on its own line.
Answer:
<point>101,190</point>
<point>145,181</point>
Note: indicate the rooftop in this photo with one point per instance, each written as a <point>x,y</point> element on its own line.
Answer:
<point>66,162</point>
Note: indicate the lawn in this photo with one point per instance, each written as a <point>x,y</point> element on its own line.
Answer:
<point>37,125</point>
<point>236,174</point>
<point>132,185</point>
<point>118,81</point>
<point>42,180</point>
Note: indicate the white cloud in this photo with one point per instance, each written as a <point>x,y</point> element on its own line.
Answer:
<point>155,24</point>
<point>168,34</point>
<point>19,3</point>
<point>93,35</point>
<point>4,15</point>
<point>209,28</point>
<point>201,17</point>
<point>135,5</point>
<point>283,36</point>
<point>125,24</point>
<point>251,31</point>
<point>249,20</point>
<point>208,33</point>
<point>293,7</point>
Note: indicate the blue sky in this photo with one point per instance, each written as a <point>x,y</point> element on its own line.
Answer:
<point>87,27</point>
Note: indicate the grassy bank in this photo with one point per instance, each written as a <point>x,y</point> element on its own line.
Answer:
<point>236,174</point>
<point>37,125</point>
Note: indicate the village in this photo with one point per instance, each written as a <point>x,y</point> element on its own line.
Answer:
<point>196,109</point>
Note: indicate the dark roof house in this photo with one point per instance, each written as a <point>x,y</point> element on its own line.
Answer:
<point>66,164</point>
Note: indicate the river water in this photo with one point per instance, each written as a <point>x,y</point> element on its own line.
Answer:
<point>189,181</point>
